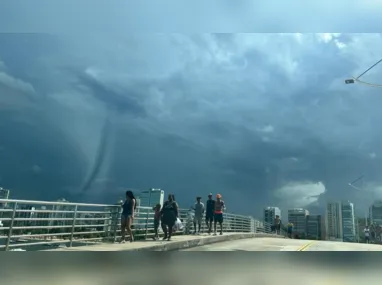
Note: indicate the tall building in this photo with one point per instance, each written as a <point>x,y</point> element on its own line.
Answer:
<point>297,217</point>
<point>147,198</point>
<point>314,227</point>
<point>333,221</point>
<point>27,213</point>
<point>323,228</point>
<point>348,221</point>
<point>4,194</point>
<point>259,226</point>
<point>375,212</point>
<point>270,214</point>
<point>151,197</point>
<point>42,214</point>
<point>62,212</point>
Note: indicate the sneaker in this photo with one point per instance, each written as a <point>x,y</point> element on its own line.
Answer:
<point>122,241</point>
<point>215,233</point>
<point>221,233</point>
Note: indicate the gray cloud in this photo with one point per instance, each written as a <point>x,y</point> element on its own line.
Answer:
<point>258,118</point>
<point>248,16</point>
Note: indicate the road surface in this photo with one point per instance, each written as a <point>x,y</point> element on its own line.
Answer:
<point>274,244</point>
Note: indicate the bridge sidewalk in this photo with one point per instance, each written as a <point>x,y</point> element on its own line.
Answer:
<point>177,243</point>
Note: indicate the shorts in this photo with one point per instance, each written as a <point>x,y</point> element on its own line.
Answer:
<point>218,218</point>
<point>198,220</point>
<point>367,238</point>
<point>210,218</point>
<point>125,218</point>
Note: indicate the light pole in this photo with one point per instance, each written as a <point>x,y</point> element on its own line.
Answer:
<point>356,79</point>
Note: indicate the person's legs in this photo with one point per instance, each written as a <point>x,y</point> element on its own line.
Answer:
<point>209,221</point>
<point>221,223</point>
<point>164,228</point>
<point>123,228</point>
<point>170,229</point>
<point>156,226</point>
<point>129,231</point>
<point>195,225</point>
<point>199,224</point>
<point>215,222</point>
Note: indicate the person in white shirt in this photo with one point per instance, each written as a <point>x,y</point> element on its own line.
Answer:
<point>366,231</point>
<point>199,211</point>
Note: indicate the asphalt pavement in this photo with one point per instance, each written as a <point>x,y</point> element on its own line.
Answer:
<point>272,244</point>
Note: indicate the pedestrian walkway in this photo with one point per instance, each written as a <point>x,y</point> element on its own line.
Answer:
<point>42,225</point>
<point>177,243</point>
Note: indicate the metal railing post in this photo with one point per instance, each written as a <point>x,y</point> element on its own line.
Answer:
<point>73,226</point>
<point>115,222</point>
<point>11,227</point>
<point>147,216</point>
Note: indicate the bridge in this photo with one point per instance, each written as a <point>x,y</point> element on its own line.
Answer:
<point>62,226</point>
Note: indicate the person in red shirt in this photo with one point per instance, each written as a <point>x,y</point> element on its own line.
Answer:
<point>218,213</point>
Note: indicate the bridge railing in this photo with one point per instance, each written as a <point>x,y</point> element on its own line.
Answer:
<point>38,225</point>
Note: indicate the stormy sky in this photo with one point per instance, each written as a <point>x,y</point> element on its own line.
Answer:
<point>263,119</point>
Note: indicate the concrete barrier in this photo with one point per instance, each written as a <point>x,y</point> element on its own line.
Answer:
<point>204,240</point>
<point>177,243</point>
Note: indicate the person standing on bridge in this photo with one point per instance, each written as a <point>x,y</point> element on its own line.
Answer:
<point>169,215</point>
<point>157,218</point>
<point>289,229</point>
<point>218,213</point>
<point>210,208</point>
<point>277,224</point>
<point>366,231</point>
<point>199,211</point>
<point>127,217</point>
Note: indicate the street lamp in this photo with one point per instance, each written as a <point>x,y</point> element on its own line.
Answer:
<point>356,79</point>
<point>349,81</point>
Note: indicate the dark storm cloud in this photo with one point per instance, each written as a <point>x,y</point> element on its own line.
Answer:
<point>262,119</point>
<point>122,101</point>
<point>218,16</point>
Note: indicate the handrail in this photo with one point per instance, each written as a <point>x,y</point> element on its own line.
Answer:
<point>68,223</point>
<point>33,202</point>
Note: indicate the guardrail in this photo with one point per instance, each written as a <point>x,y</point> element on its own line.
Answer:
<point>37,225</point>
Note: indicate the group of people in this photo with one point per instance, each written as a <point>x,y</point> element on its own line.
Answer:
<point>168,214</point>
<point>277,227</point>
<point>213,213</point>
